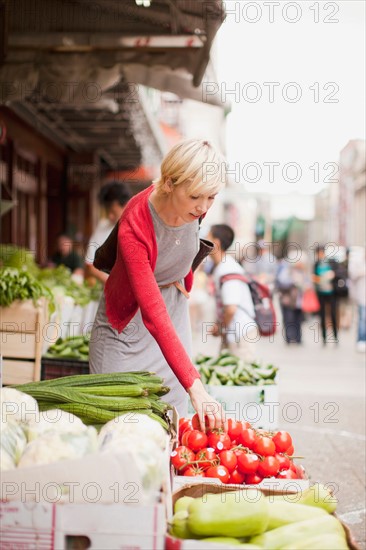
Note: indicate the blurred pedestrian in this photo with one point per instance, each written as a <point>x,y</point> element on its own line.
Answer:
<point>357,272</point>
<point>291,281</point>
<point>323,278</point>
<point>113,198</point>
<point>235,310</point>
<point>263,266</point>
<point>67,256</point>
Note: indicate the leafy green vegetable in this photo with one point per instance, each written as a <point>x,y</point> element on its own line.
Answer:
<point>20,284</point>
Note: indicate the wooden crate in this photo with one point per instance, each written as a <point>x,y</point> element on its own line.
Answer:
<point>21,336</point>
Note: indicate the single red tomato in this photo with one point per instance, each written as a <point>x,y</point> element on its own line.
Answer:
<point>184,424</point>
<point>206,458</point>
<point>236,477</point>
<point>229,460</point>
<point>282,440</point>
<point>219,441</point>
<point>264,446</point>
<point>268,467</point>
<point>196,440</point>
<point>196,422</point>
<point>293,466</point>
<point>290,451</point>
<point>252,479</point>
<point>287,474</point>
<point>283,460</point>
<point>219,472</point>
<point>247,438</point>
<point>180,457</point>
<point>184,438</point>
<point>248,463</point>
<point>235,428</point>
<point>194,472</point>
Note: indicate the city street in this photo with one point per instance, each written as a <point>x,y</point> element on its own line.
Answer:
<point>327,421</point>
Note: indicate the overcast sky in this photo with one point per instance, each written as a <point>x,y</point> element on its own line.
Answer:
<point>321,63</point>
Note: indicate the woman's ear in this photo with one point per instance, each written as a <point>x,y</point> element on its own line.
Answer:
<point>168,185</point>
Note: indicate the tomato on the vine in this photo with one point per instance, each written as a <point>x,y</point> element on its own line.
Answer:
<point>248,463</point>
<point>195,440</point>
<point>236,477</point>
<point>235,428</point>
<point>253,479</point>
<point>290,451</point>
<point>283,441</point>
<point>196,422</point>
<point>247,438</point>
<point>264,446</point>
<point>219,472</point>
<point>228,459</point>
<point>219,441</point>
<point>184,438</point>
<point>184,424</point>
<point>283,460</point>
<point>194,471</point>
<point>268,467</point>
<point>206,458</point>
<point>180,458</point>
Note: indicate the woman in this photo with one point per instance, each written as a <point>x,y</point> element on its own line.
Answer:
<point>143,320</point>
<point>290,283</point>
<point>323,278</point>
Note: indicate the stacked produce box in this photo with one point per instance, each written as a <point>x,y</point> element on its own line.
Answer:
<point>106,467</point>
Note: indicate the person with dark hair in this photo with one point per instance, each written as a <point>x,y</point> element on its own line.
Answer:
<point>67,256</point>
<point>323,278</point>
<point>235,310</point>
<point>113,198</point>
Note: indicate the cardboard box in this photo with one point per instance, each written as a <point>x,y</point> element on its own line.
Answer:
<point>98,477</point>
<point>258,405</point>
<point>283,485</point>
<point>200,490</point>
<point>93,503</point>
<point>48,526</point>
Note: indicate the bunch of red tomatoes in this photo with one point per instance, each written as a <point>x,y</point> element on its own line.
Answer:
<point>242,455</point>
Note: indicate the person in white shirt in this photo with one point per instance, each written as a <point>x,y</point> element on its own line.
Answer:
<point>113,198</point>
<point>235,310</point>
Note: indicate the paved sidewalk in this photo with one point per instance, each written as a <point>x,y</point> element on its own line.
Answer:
<point>322,404</point>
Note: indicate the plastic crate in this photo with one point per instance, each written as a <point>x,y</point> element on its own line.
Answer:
<point>56,368</point>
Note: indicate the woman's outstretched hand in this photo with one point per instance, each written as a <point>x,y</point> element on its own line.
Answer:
<point>206,406</point>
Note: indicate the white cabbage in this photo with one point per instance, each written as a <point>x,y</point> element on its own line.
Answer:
<point>12,440</point>
<point>57,421</point>
<point>140,425</point>
<point>17,406</point>
<point>147,457</point>
<point>6,462</point>
<point>54,446</point>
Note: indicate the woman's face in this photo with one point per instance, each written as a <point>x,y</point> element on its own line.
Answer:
<point>190,206</point>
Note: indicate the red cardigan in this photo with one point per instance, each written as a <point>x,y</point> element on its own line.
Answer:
<point>132,285</point>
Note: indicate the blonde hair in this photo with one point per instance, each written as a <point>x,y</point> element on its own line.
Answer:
<point>196,162</point>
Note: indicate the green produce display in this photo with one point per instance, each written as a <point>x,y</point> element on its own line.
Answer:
<point>228,515</point>
<point>20,284</point>
<point>296,533</point>
<point>269,523</point>
<point>59,280</point>
<point>74,347</point>
<point>229,370</point>
<point>98,398</point>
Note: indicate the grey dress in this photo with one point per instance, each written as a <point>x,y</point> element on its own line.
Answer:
<point>134,348</point>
